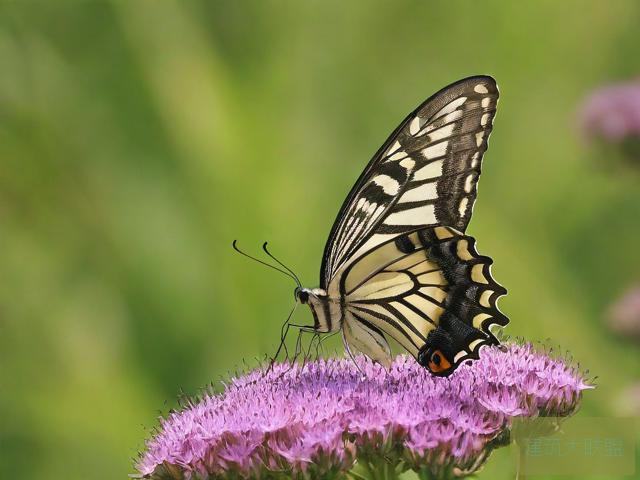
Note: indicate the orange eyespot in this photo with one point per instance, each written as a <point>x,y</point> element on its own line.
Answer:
<point>438,363</point>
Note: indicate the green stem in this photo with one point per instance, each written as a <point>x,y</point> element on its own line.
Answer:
<point>520,465</point>
<point>375,469</point>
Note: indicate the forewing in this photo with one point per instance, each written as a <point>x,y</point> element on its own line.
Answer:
<point>425,174</point>
<point>404,286</point>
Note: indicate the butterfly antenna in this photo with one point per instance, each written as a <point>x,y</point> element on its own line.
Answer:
<point>288,274</point>
<point>264,247</point>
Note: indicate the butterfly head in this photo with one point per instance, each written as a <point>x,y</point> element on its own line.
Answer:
<point>309,295</point>
<point>301,294</point>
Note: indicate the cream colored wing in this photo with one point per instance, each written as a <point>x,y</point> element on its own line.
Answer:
<point>366,338</point>
<point>403,287</point>
<point>424,175</point>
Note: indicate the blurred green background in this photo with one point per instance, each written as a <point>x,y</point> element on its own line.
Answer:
<point>139,138</point>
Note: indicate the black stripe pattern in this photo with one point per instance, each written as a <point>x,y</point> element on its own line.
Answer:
<point>429,278</point>
<point>397,261</point>
<point>424,175</point>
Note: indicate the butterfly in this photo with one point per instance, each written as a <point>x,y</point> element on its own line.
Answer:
<point>398,262</point>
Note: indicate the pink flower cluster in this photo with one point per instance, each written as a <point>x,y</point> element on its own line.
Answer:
<point>624,314</point>
<point>319,419</point>
<point>612,112</point>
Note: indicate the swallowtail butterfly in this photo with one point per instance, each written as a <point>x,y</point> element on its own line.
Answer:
<point>398,261</point>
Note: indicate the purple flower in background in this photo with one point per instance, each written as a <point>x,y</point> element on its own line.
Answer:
<point>317,421</point>
<point>612,113</point>
<point>624,315</point>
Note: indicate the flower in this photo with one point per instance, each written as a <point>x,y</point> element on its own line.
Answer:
<point>624,315</point>
<point>612,113</point>
<point>318,420</point>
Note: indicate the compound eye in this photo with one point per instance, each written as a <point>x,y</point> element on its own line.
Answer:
<point>438,363</point>
<point>303,296</point>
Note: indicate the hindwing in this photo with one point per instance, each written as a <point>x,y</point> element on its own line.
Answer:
<point>405,286</point>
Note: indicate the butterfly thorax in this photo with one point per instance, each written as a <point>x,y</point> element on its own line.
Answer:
<point>327,313</point>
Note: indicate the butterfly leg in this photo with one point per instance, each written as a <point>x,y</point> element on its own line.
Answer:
<point>451,336</point>
<point>324,338</point>
<point>307,355</point>
<point>284,330</point>
<point>349,352</point>
<point>318,340</point>
<point>296,354</point>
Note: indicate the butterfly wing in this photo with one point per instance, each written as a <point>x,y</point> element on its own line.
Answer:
<point>406,286</point>
<point>366,338</point>
<point>424,175</point>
